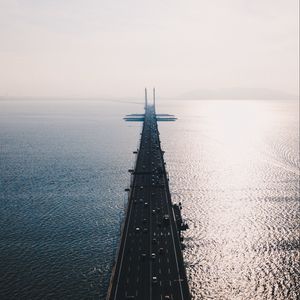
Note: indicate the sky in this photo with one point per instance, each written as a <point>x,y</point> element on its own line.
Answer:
<point>114,48</point>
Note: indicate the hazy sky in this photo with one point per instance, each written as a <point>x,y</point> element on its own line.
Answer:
<point>116,47</point>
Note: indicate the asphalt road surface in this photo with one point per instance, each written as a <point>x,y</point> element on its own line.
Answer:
<point>149,263</point>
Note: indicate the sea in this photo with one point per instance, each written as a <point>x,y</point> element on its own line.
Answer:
<point>233,164</point>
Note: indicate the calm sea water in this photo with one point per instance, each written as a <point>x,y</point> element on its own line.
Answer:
<point>233,164</point>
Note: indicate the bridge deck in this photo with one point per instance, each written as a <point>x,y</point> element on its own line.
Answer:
<point>149,263</point>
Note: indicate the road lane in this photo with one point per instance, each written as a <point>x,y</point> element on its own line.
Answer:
<point>150,263</point>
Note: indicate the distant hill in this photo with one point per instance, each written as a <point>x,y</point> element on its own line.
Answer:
<point>238,93</point>
<point>200,94</point>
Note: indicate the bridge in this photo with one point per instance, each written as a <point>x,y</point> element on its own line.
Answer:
<point>149,263</point>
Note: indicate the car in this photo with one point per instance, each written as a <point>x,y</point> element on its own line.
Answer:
<point>145,221</point>
<point>154,279</point>
<point>137,229</point>
<point>153,211</point>
<point>146,204</point>
<point>145,230</point>
<point>161,250</point>
<point>166,219</point>
<point>143,256</point>
<point>154,241</point>
<point>153,256</point>
<point>141,187</point>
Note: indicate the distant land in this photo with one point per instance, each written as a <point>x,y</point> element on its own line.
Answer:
<point>199,94</point>
<point>238,94</point>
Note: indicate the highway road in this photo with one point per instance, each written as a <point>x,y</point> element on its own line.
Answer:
<point>149,263</point>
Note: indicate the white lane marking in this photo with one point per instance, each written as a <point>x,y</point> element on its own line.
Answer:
<point>150,236</point>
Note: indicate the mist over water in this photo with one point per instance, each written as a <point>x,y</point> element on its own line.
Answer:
<point>233,164</point>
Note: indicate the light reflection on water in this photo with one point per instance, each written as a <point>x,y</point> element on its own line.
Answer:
<point>235,167</point>
<point>233,164</point>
